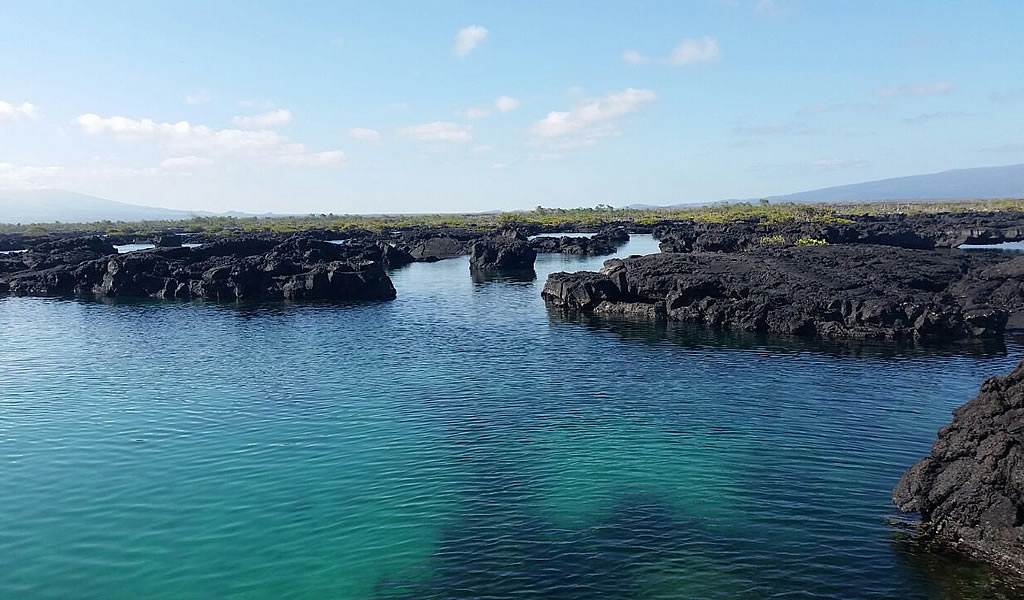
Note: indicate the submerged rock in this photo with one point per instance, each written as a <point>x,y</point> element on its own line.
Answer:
<point>251,268</point>
<point>970,490</point>
<point>854,291</point>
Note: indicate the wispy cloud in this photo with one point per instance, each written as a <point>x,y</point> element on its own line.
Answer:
<point>634,57</point>
<point>16,112</point>
<point>365,134</point>
<point>12,175</point>
<point>186,162</point>
<point>200,97</point>
<point>438,131</point>
<point>934,116</point>
<point>315,159</point>
<point>183,139</point>
<point>469,38</point>
<point>593,117</point>
<point>687,52</point>
<point>502,104</point>
<point>917,89</point>
<point>506,104</point>
<point>273,118</point>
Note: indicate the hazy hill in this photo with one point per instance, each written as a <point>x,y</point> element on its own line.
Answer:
<point>959,184</point>
<point>47,206</point>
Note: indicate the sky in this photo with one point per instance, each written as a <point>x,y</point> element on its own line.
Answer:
<point>412,107</point>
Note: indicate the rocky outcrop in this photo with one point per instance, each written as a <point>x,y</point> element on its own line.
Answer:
<point>843,291</point>
<point>430,244</point>
<point>247,268</point>
<point>506,251</point>
<point>918,231</point>
<point>602,243</point>
<point>580,246</point>
<point>969,491</point>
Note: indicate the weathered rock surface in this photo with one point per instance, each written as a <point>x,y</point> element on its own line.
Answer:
<point>851,291</point>
<point>250,268</point>
<point>430,244</point>
<point>507,251</point>
<point>970,490</point>
<point>920,231</point>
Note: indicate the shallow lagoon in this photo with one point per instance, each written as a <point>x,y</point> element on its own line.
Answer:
<point>460,442</point>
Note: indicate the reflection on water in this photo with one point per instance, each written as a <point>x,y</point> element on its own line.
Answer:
<point>1015,247</point>
<point>462,441</point>
<point>125,248</point>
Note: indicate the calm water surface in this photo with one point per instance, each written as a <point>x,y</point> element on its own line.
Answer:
<point>459,442</point>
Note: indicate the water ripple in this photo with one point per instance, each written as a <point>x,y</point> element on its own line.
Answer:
<point>459,442</point>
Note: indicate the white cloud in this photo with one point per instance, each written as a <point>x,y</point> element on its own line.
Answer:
<point>687,52</point>
<point>506,104</point>
<point>257,104</point>
<point>635,58</point>
<point>482,148</point>
<point>468,38</point>
<point>365,134</point>
<point>499,166</point>
<point>273,118</point>
<point>593,116</point>
<point>185,162</point>
<point>18,111</point>
<point>438,131</point>
<point>502,104</point>
<point>694,51</point>
<point>315,159</point>
<point>918,89</point>
<point>200,97</point>
<point>183,139</point>
<point>14,175</point>
<point>475,113</point>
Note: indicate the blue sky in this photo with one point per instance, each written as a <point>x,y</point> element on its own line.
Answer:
<point>375,107</point>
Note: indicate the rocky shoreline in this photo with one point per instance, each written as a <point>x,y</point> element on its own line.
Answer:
<point>843,291</point>
<point>969,491</point>
<point>250,268</point>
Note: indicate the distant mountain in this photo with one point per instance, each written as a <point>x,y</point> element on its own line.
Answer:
<point>958,184</point>
<point>48,206</point>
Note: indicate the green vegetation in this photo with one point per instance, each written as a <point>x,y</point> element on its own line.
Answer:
<point>807,241</point>
<point>724,212</point>
<point>773,240</point>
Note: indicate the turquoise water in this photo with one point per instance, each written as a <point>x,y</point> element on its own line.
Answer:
<point>459,442</point>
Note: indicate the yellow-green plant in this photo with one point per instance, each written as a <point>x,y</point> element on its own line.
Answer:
<point>808,241</point>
